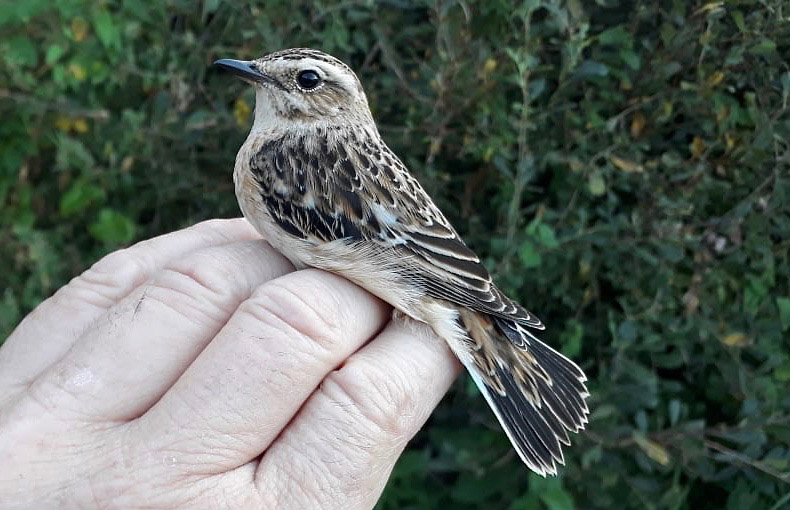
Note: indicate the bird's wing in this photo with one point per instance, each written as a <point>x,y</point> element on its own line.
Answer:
<point>440,261</point>
<point>360,191</point>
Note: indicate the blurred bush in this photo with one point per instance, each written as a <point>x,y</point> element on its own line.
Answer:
<point>621,165</point>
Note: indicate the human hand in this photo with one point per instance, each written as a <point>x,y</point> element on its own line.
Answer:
<point>196,370</point>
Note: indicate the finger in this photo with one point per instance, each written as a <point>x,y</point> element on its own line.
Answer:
<point>251,380</point>
<point>125,362</point>
<point>349,434</point>
<point>51,329</point>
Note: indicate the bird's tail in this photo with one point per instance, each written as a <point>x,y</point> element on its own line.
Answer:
<point>537,394</point>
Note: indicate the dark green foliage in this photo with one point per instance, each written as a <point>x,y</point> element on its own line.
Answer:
<point>623,167</point>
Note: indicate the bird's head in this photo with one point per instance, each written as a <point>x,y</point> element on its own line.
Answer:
<point>302,87</point>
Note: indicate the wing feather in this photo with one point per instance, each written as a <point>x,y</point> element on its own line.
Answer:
<point>319,193</point>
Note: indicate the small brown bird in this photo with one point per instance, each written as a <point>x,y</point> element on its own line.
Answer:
<point>317,181</point>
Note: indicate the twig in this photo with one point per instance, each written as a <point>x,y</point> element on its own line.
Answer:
<point>522,174</point>
<point>780,504</point>
<point>388,56</point>
<point>670,437</point>
<point>743,459</point>
<point>100,114</point>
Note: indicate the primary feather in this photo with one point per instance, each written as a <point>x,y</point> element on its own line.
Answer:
<point>316,179</point>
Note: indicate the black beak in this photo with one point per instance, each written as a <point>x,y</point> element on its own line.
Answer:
<point>248,71</point>
<point>243,68</point>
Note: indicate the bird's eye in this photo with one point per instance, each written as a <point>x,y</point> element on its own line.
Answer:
<point>308,79</point>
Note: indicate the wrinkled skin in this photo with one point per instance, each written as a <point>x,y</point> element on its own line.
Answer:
<point>197,370</point>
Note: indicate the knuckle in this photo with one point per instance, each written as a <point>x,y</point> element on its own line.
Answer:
<point>218,225</point>
<point>386,401</point>
<point>105,282</point>
<point>130,470</point>
<point>196,286</point>
<point>206,270</point>
<point>287,482</point>
<point>281,307</point>
<point>201,449</point>
<point>324,474</point>
<point>210,224</point>
<point>119,260</point>
<point>226,229</point>
<point>61,395</point>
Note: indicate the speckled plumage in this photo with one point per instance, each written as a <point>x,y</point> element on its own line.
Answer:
<point>316,179</point>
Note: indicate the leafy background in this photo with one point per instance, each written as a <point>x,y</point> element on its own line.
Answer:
<point>621,165</point>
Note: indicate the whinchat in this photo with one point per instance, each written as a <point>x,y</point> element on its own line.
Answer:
<point>317,181</point>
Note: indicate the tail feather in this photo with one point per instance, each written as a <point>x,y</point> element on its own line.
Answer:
<point>517,421</point>
<point>542,427</point>
<point>566,417</point>
<point>568,390</point>
<point>537,394</point>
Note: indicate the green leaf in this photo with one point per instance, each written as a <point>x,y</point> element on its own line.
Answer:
<point>22,11</point>
<point>476,489</point>
<point>412,463</point>
<point>783,304</point>
<point>782,372</point>
<point>737,18</point>
<point>742,497</point>
<point>631,59</point>
<point>543,234</point>
<point>596,184</point>
<point>572,338</point>
<point>674,411</point>
<point>670,69</point>
<point>673,252</point>
<point>557,499</point>
<point>209,7</point>
<point>10,312</point>
<point>616,36</point>
<point>546,236</point>
<point>79,197</point>
<point>551,493</point>
<point>627,331</point>
<point>21,51</point>
<point>105,28</point>
<point>764,47</point>
<point>529,255</point>
<point>72,153</point>
<point>113,227</point>
<point>591,69</point>
<point>54,52</point>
